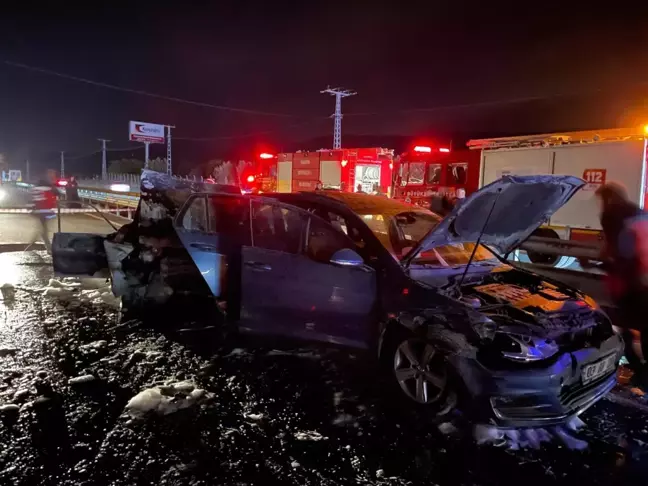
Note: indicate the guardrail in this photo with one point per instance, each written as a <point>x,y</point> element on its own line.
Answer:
<point>555,246</point>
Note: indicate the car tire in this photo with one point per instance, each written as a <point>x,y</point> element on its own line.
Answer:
<point>418,375</point>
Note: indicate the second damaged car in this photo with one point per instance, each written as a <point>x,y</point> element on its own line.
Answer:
<point>453,324</point>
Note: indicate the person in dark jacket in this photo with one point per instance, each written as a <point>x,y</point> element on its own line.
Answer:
<point>441,204</point>
<point>72,192</point>
<point>625,259</point>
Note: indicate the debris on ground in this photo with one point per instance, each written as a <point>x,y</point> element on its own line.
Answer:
<point>165,400</point>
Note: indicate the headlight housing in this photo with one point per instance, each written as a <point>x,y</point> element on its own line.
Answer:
<point>524,349</point>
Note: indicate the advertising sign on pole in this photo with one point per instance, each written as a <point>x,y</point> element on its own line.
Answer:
<point>146,132</point>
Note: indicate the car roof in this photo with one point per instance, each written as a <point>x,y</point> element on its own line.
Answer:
<point>357,203</point>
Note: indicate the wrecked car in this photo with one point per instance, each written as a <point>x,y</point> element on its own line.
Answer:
<point>451,321</point>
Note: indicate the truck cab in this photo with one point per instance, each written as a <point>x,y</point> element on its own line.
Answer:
<point>426,170</point>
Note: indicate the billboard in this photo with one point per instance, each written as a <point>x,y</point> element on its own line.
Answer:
<point>146,132</point>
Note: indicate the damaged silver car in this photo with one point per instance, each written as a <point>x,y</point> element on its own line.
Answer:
<point>452,322</point>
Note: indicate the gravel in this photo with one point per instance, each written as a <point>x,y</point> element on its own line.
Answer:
<point>243,415</point>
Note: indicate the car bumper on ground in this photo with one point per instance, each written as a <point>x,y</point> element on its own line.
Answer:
<point>542,396</point>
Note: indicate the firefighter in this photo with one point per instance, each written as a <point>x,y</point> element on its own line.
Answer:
<point>625,259</point>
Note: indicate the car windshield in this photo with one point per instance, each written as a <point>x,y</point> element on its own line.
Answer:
<point>400,227</point>
<point>399,233</point>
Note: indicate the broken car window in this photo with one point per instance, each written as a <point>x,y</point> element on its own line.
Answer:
<point>195,217</point>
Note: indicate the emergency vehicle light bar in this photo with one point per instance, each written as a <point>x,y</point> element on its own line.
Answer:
<point>420,148</point>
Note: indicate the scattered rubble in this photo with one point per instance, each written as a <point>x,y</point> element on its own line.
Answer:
<point>80,380</point>
<point>165,400</point>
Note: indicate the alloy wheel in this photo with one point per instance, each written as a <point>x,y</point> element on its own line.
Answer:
<point>419,370</point>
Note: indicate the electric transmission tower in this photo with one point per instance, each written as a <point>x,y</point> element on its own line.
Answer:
<point>339,93</point>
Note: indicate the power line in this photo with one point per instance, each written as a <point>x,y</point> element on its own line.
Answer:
<point>248,135</point>
<point>485,104</point>
<point>146,93</point>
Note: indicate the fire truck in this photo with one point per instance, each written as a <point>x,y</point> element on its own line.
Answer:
<point>367,169</point>
<point>427,170</point>
<point>597,156</point>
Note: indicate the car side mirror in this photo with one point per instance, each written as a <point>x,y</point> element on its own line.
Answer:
<point>347,258</point>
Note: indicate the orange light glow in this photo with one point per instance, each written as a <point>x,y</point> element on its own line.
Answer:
<point>344,163</point>
<point>250,178</point>
<point>420,148</point>
<point>391,166</point>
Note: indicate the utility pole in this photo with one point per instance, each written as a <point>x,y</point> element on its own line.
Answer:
<point>27,178</point>
<point>146,154</point>
<point>104,168</point>
<point>339,93</point>
<point>169,167</point>
<point>62,163</point>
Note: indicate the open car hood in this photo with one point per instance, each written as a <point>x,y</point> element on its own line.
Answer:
<point>519,204</point>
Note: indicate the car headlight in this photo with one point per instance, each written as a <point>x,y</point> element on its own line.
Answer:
<point>522,348</point>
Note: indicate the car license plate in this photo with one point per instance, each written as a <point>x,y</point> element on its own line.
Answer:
<point>595,370</point>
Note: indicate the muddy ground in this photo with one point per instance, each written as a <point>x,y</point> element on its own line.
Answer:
<point>266,416</point>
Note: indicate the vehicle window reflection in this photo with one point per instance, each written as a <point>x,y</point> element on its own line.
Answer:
<point>457,173</point>
<point>416,173</point>
<point>277,228</point>
<point>324,240</point>
<point>434,174</point>
<point>230,215</point>
<point>195,217</point>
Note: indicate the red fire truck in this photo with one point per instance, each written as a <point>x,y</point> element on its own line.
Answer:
<point>367,169</point>
<point>427,170</point>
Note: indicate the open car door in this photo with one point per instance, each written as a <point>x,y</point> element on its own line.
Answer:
<point>211,228</point>
<point>79,255</point>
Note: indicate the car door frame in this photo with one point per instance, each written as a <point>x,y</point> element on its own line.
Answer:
<point>208,244</point>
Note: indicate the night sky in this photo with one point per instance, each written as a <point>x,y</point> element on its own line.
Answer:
<point>421,69</point>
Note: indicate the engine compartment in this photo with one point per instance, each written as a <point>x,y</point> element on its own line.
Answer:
<point>531,320</point>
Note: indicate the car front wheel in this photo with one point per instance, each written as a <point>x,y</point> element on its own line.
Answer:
<point>420,375</point>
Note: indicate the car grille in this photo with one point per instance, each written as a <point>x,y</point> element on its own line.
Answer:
<point>572,396</point>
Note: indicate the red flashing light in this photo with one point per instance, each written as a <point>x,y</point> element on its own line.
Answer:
<point>62,182</point>
<point>444,150</point>
<point>405,291</point>
<point>344,162</point>
<point>420,148</point>
<point>265,155</point>
<point>250,178</point>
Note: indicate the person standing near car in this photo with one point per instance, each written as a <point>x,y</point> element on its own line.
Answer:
<point>625,259</point>
<point>44,202</point>
<point>72,192</point>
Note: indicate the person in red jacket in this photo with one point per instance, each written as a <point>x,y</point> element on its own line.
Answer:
<point>44,202</point>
